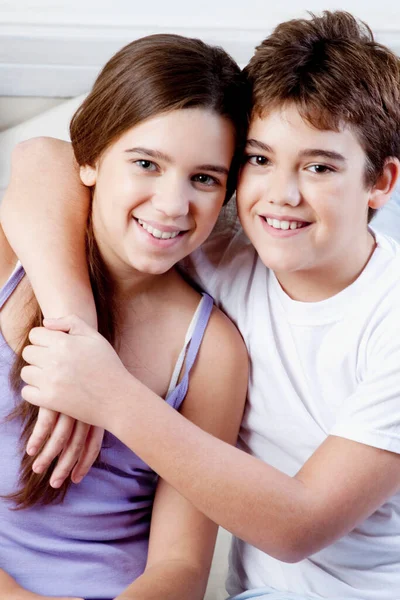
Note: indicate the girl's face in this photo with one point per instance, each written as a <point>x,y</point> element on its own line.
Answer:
<point>159,189</point>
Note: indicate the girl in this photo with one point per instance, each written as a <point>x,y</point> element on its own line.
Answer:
<point>155,145</point>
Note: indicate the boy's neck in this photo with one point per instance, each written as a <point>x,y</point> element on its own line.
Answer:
<point>317,285</point>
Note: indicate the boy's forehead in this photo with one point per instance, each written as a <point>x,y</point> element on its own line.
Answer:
<point>284,127</point>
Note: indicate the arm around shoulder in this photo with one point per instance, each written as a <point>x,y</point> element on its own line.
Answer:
<point>44,214</point>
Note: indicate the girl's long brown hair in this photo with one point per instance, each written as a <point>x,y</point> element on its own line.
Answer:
<point>152,75</point>
<point>35,488</point>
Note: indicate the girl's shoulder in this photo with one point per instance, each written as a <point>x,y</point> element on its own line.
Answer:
<point>188,296</point>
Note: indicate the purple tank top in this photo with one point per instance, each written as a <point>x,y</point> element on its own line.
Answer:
<point>95,543</point>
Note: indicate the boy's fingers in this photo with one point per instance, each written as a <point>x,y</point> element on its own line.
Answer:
<point>44,426</point>
<point>70,454</point>
<point>58,440</point>
<point>90,453</point>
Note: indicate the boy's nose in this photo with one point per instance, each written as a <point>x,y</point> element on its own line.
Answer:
<point>283,190</point>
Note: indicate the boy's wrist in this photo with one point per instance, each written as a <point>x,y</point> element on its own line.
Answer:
<point>126,403</point>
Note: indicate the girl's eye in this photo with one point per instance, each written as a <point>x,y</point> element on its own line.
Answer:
<point>205,179</point>
<point>320,169</point>
<point>146,165</point>
<point>257,160</point>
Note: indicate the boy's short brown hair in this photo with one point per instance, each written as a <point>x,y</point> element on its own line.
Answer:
<point>333,70</point>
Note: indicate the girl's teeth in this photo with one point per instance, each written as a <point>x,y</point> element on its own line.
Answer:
<point>164,235</point>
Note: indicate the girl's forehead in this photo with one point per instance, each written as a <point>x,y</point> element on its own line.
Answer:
<point>193,135</point>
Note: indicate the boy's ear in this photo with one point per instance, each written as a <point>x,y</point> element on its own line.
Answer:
<point>381,191</point>
<point>88,175</point>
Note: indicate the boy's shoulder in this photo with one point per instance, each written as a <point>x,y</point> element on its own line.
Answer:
<point>386,264</point>
<point>377,305</point>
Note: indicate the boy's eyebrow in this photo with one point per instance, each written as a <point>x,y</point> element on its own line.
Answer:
<point>161,156</point>
<point>257,144</point>
<point>308,153</point>
<point>315,152</point>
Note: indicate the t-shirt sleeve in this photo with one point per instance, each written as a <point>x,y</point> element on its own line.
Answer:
<point>371,415</point>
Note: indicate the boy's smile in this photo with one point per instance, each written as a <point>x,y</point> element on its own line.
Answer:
<point>303,202</point>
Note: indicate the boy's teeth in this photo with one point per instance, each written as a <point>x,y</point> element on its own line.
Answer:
<point>276,224</point>
<point>164,235</point>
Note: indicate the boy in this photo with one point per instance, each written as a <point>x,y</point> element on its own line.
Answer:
<point>312,492</point>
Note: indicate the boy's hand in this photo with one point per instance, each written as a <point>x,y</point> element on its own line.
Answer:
<point>76,373</point>
<point>75,443</point>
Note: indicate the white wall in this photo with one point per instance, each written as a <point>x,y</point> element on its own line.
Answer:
<point>50,48</point>
<point>182,13</point>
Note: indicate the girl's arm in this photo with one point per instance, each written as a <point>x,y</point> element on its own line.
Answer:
<point>43,215</point>
<point>180,552</point>
<point>182,539</point>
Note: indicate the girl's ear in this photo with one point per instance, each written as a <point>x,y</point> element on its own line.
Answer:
<point>88,175</point>
<point>383,188</point>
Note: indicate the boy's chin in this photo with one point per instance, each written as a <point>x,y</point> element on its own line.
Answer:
<point>280,262</point>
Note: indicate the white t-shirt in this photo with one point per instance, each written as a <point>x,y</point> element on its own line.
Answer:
<point>317,369</point>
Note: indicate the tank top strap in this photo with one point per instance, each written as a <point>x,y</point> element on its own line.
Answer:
<point>11,284</point>
<point>177,393</point>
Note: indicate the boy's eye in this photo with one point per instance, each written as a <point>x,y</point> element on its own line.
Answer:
<point>205,179</point>
<point>146,165</point>
<point>320,169</point>
<point>255,159</point>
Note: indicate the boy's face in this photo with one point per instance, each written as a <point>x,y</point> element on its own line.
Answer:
<point>302,198</point>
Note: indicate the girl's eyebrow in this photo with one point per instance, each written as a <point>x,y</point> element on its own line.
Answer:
<point>149,152</point>
<point>215,168</point>
<point>161,156</point>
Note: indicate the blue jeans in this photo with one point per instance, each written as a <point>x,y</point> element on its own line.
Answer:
<point>269,594</point>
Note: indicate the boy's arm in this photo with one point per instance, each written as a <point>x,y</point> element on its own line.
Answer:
<point>292,517</point>
<point>340,486</point>
<point>43,215</point>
